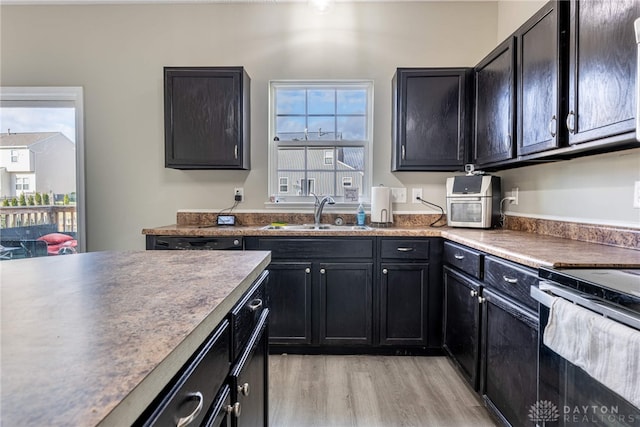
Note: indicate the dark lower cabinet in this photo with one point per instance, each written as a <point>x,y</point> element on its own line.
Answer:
<point>290,303</point>
<point>462,323</point>
<point>249,383</point>
<point>220,410</point>
<point>509,358</point>
<point>345,303</point>
<point>404,299</point>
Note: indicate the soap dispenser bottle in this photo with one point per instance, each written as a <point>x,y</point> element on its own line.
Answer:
<point>360,215</point>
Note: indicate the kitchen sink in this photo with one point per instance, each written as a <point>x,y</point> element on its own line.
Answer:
<point>312,227</point>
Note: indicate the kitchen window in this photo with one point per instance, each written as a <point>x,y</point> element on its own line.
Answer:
<point>321,137</point>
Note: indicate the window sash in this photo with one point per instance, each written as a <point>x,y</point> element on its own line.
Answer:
<point>309,139</point>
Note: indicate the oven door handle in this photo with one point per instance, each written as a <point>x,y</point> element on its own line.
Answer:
<point>546,292</point>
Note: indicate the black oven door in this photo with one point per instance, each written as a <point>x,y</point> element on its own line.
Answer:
<point>569,397</point>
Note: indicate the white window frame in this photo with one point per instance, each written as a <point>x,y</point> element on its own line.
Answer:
<point>367,143</point>
<point>60,96</point>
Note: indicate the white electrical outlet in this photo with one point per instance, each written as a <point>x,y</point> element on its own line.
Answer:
<point>238,192</point>
<point>514,194</point>
<point>415,194</point>
<point>636,195</point>
<point>399,195</point>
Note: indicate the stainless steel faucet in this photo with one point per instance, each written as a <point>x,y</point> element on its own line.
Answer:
<point>318,206</point>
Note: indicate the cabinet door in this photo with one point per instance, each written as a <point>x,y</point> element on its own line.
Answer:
<point>289,293</point>
<point>404,302</point>
<point>249,385</point>
<point>430,118</point>
<point>509,358</point>
<point>462,323</point>
<point>206,118</point>
<point>602,87</point>
<point>345,308</point>
<point>541,79</point>
<point>494,127</point>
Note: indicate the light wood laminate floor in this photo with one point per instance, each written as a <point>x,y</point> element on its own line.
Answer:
<point>370,391</point>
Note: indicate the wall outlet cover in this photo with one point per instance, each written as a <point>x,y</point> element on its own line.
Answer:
<point>636,194</point>
<point>415,194</point>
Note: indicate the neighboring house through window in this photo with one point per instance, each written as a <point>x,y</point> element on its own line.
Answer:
<point>321,137</point>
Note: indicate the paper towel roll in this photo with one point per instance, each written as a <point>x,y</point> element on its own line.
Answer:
<point>381,205</point>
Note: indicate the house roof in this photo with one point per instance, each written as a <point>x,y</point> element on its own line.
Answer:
<point>24,139</point>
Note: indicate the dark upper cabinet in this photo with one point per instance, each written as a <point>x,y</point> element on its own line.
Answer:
<point>602,67</point>
<point>206,117</point>
<point>495,106</point>
<point>541,79</point>
<point>430,129</point>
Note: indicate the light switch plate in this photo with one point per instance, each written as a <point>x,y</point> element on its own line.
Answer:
<point>636,194</point>
<point>399,194</point>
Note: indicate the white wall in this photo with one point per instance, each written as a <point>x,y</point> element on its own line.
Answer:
<point>594,189</point>
<point>117,52</point>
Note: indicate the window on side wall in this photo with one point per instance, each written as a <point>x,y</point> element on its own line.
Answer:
<point>321,138</point>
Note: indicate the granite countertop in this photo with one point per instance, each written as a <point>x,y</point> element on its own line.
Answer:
<point>533,250</point>
<point>92,338</point>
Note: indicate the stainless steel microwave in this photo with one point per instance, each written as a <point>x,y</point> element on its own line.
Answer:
<point>473,201</point>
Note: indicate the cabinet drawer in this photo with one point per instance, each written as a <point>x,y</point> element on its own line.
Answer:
<point>463,258</point>
<point>245,315</point>
<point>196,387</point>
<point>309,248</point>
<point>511,279</point>
<point>404,249</point>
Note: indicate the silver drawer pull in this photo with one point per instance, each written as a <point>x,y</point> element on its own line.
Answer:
<point>458,257</point>
<point>404,249</point>
<point>509,279</point>
<point>322,271</point>
<point>244,389</point>
<point>307,270</point>
<point>473,293</point>
<point>385,271</point>
<point>185,421</point>
<point>255,305</point>
<point>481,300</point>
<point>234,409</point>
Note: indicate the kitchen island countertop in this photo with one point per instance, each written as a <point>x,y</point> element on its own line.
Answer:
<point>533,250</point>
<point>93,338</point>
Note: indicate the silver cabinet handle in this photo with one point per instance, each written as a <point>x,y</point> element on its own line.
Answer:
<point>255,305</point>
<point>235,152</point>
<point>385,271</point>
<point>307,270</point>
<point>404,249</point>
<point>474,293</point>
<point>458,257</point>
<point>322,271</point>
<point>571,122</point>
<point>403,153</point>
<point>244,389</point>
<point>509,280</point>
<point>508,141</point>
<point>481,300</point>
<point>234,409</point>
<point>553,126</point>
<point>185,421</point>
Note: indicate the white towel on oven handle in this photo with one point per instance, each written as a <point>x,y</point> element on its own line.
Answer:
<point>607,350</point>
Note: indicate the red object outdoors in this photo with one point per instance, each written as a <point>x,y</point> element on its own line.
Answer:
<point>59,244</point>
